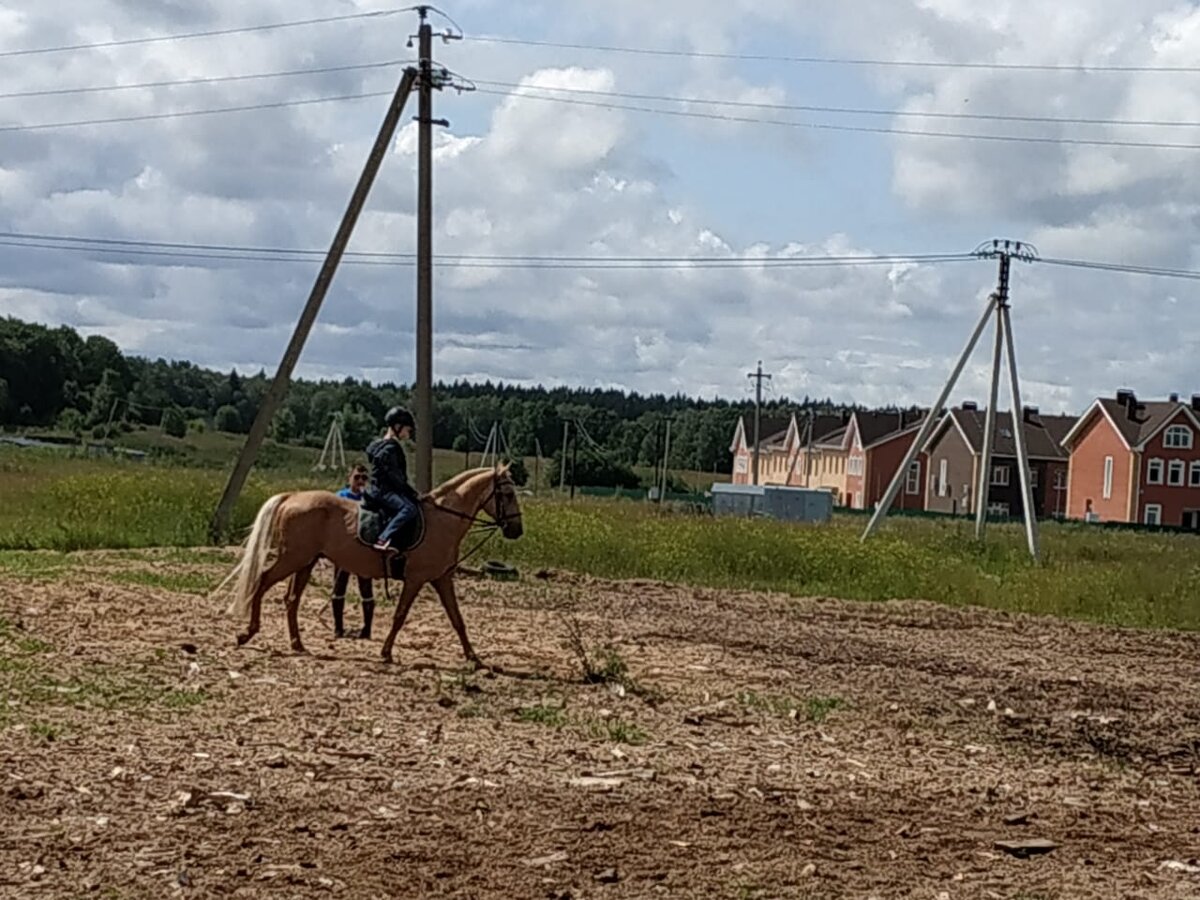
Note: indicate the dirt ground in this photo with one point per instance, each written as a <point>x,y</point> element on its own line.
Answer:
<point>731,745</point>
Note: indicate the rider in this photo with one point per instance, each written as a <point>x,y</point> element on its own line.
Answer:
<point>355,486</point>
<point>390,490</point>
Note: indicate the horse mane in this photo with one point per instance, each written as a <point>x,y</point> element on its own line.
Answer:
<point>455,483</point>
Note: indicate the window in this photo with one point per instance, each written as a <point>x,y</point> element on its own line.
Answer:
<point>998,509</point>
<point>1154,471</point>
<point>1000,476</point>
<point>1178,437</point>
<point>913,483</point>
<point>1175,473</point>
<point>1195,477</point>
<point>1153,514</point>
<point>1060,479</point>
<point>943,483</point>
<point>1033,476</point>
<point>1108,472</point>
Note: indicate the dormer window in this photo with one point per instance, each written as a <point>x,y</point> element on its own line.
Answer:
<point>1178,437</point>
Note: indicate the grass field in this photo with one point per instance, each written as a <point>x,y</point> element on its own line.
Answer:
<point>1120,578</point>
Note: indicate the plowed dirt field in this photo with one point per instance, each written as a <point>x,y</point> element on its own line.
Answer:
<point>727,745</point>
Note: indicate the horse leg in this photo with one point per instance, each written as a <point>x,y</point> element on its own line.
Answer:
<point>445,591</point>
<point>299,583</point>
<point>407,595</point>
<point>266,581</point>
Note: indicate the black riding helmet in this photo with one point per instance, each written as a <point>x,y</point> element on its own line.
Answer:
<point>397,417</point>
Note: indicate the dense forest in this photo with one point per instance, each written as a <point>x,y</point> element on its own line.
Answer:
<point>54,378</point>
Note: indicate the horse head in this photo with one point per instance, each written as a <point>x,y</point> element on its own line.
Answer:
<point>502,504</point>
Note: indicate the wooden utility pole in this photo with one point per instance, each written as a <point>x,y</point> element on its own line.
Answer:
<point>758,377</point>
<point>424,383</point>
<point>275,393</point>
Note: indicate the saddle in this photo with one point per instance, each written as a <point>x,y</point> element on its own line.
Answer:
<point>371,522</point>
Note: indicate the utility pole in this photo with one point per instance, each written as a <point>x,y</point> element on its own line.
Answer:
<point>562,475</point>
<point>424,385</point>
<point>758,377</point>
<point>275,393</point>
<point>574,456</point>
<point>998,303</point>
<point>666,456</point>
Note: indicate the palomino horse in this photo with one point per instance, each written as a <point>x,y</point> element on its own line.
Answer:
<point>294,530</point>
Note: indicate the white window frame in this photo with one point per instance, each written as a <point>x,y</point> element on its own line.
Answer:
<point>1173,467</point>
<point>1195,474</point>
<point>912,481</point>
<point>1033,477</point>
<point>998,508</point>
<point>1060,479</point>
<point>1108,477</point>
<point>943,478</point>
<point>997,471</point>
<point>1153,510</point>
<point>1155,471</point>
<point>1184,435</point>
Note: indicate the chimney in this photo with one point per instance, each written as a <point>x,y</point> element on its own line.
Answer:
<point>1174,398</point>
<point>1125,396</point>
<point>1133,409</point>
<point>1196,403</point>
<point>1030,413</point>
<point>970,406</point>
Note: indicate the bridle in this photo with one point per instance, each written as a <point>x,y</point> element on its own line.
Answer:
<point>502,517</point>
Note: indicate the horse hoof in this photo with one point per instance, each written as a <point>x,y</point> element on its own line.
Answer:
<point>299,650</point>
<point>475,663</point>
<point>242,638</point>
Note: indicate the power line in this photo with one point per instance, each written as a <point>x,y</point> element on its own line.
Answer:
<point>213,79</point>
<point>1159,271</point>
<point>860,129</point>
<point>181,114</point>
<point>235,248</point>
<point>849,110</point>
<point>245,29</point>
<point>835,60</point>
<point>595,263</point>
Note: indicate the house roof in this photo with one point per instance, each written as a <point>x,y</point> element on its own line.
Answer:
<point>1041,441</point>
<point>875,427</point>
<point>770,429</point>
<point>1149,418</point>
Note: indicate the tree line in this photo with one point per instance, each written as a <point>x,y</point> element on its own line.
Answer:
<point>55,378</point>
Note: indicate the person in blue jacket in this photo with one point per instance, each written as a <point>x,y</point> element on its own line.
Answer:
<point>390,490</point>
<point>356,485</point>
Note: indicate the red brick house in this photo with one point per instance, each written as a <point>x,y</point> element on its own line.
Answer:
<point>1136,462</point>
<point>877,443</point>
<point>954,453</point>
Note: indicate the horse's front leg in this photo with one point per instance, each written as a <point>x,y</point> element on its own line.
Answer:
<point>445,591</point>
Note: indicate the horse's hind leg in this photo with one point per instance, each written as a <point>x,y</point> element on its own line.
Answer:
<point>295,590</point>
<point>266,581</point>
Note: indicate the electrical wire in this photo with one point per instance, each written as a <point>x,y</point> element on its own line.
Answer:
<point>850,110</point>
<point>182,114</point>
<point>211,79</point>
<point>216,32</point>
<point>860,129</point>
<point>834,60</point>
<point>1159,271</point>
<point>596,263</point>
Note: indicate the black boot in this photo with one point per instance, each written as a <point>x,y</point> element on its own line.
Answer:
<point>368,611</point>
<point>339,608</point>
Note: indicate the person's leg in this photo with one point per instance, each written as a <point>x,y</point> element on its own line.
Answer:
<point>341,579</point>
<point>405,512</point>
<point>367,592</point>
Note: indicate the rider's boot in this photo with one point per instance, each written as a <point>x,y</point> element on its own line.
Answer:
<point>339,609</point>
<point>368,613</point>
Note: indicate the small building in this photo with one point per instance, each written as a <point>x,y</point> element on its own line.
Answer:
<point>877,443</point>
<point>774,501</point>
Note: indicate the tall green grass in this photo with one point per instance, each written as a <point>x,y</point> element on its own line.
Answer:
<point>47,502</point>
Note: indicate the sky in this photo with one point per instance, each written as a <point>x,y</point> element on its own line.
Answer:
<point>517,175</point>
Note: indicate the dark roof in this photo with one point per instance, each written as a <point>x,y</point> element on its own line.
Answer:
<point>874,427</point>
<point>1040,442</point>
<point>1150,416</point>
<point>834,437</point>
<point>1058,426</point>
<point>770,428</point>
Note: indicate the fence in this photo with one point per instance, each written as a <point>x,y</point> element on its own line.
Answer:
<point>1018,520</point>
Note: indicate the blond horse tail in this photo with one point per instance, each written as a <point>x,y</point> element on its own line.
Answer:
<point>254,561</point>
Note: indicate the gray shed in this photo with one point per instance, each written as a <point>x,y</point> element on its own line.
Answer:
<point>774,501</point>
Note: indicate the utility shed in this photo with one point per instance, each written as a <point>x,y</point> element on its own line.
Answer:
<point>792,504</point>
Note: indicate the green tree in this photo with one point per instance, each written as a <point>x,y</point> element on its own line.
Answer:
<point>173,422</point>
<point>72,422</point>
<point>284,427</point>
<point>104,398</point>
<point>228,419</point>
